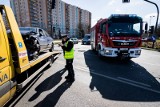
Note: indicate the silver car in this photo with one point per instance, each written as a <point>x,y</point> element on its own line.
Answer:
<point>74,40</point>
<point>43,39</point>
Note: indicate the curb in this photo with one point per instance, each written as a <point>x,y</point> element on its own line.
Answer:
<point>158,50</point>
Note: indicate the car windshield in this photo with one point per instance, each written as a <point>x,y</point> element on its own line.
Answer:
<point>27,29</point>
<point>87,37</point>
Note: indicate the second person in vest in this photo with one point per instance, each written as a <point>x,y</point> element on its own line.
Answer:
<point>68,51</point>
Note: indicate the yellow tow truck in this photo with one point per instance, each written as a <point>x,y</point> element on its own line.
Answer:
<point>15,68</point>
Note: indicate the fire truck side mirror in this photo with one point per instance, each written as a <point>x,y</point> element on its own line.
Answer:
<point>146,28</point>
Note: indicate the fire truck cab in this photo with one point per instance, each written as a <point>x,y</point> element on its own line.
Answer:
<point>118,36</point>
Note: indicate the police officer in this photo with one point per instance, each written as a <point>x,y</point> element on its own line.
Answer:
<point>68,51</point>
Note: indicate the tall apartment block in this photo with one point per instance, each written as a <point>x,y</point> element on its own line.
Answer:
<point>64,18</point>
<point>34,13</point>
<point>70,19</point>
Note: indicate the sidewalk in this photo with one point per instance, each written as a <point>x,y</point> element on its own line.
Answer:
<point>151,49</point>
<point>148,45</point>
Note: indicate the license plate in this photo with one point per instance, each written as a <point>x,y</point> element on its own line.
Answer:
<point>123,49</point>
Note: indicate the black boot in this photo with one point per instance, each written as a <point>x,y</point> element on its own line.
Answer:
<point>67,77</point>
<point>71,80</point>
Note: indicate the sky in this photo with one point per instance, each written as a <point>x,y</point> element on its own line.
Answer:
<point>104,8</point>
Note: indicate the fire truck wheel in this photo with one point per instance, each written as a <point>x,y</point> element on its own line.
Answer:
<point>99,54</point>
<point>92,47</point>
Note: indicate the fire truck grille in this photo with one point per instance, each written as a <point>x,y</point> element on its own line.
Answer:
<point>119,43</point>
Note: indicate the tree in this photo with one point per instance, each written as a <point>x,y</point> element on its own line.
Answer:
<point>80,30</point>
<point>88,29</point>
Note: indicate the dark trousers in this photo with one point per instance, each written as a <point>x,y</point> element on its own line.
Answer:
<point>69,67</point>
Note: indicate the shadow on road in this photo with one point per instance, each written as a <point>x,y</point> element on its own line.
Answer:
<point>52,99</point>
<point>121,81</point>
<point>48,84</point>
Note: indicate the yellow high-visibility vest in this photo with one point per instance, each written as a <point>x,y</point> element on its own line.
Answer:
<point>68,54</point>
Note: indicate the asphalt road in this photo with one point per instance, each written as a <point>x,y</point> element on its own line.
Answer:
<point>98,83</point>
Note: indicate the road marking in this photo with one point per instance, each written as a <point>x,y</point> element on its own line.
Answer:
<point>118,79</point>
<point>134,83</point>
<point>140,83</point>
<point>125,82</point>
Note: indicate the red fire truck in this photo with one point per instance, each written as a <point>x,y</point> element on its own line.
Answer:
<point>118,36</point>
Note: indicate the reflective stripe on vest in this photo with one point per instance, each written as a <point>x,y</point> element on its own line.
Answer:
<point>69,54</point>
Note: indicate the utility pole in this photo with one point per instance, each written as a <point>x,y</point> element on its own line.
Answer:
<point>127,1</point>
<point>52,7</point>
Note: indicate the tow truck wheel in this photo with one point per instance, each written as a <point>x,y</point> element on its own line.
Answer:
<point>50,62</point>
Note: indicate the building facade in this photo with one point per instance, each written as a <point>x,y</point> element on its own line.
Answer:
<point>64,18</point>
<point>34,13</point>
<point>71,19</point>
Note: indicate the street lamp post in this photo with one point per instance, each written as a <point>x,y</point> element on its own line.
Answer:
<point>150,23</point>
<point>157,13</point>
<point>127,1</point>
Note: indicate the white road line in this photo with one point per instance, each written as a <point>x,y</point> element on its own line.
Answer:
<point>140,83</point>
<point>117,79</point>
<point>136,85</point>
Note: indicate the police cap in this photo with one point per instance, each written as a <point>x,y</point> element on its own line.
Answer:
<point>63,35</point>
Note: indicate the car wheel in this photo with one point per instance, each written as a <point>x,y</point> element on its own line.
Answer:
<point>52,48</point>
<point>38,47</point>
